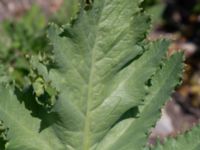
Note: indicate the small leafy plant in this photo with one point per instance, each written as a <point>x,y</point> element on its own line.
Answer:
<point>21,37</point>
<point>27,35</point>
<point>108,83</point>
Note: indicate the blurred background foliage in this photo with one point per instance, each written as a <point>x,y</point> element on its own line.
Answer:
<point>26,35</point>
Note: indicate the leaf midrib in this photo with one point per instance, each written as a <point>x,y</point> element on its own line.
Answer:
<point>86,137</point>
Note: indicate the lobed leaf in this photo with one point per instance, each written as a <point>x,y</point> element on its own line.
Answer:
<point>103,64</point>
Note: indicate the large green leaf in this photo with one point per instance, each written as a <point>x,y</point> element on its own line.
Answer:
<point>103,67</point>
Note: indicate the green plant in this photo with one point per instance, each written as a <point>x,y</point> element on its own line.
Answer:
<point>20,37</point>
<point>27,35</point>
<point>108,82</point>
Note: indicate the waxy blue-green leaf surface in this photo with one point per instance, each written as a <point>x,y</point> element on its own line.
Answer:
<point>103,65</point>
